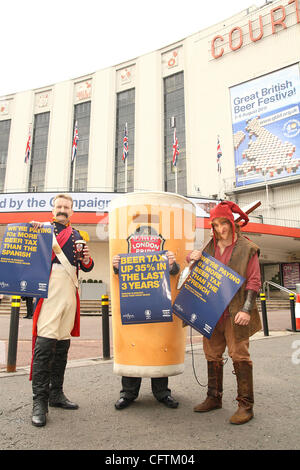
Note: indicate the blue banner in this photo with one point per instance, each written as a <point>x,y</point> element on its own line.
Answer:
<point>25,260</point>
<point>206,293</point>
<point>145,294</point>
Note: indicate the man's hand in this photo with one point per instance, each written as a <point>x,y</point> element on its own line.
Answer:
<point>116,261</point>
<point>171,257</point>
<point>195,255</point>
<point>36,225</point>
<point>242,318</point>
<point>86,255</point>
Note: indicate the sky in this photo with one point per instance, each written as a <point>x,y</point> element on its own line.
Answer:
<point>47,42</point>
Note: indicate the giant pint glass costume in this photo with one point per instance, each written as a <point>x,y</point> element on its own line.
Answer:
<point>144,222</point>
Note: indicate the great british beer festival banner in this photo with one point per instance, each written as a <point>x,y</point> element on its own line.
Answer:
<point>266,127</point>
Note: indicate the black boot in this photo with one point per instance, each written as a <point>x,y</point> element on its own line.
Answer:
<point>57,397</point>
<point>41,368</point>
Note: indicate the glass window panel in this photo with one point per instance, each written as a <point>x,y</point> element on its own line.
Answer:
<point>39,149</point>
<point>174,107</point>
<point>79,168</point>
<point>4,141</point>
<point>125,113</point>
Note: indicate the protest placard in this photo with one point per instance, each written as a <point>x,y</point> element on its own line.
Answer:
<point>25,260</point>
<point>145,294</point>
<point>206,293</point>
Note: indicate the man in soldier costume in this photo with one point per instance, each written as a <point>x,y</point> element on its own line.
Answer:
<point>240,320</point>
<point>57,317</point>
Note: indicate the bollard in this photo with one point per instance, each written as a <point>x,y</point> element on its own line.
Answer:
<point>13,333</point>
<point>293,318</point>
<point>297,313</point>
<point>105,327</point>
<point>264,313</point>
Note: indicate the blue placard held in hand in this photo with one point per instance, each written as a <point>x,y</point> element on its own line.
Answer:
<point>25,260</point>
<point>145,294</point>
<point>206,293</point>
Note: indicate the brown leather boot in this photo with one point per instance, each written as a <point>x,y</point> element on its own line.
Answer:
<point>245,398</point>
<point>215,387</point>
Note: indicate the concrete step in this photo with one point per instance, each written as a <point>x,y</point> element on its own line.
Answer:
<point>275,304</point>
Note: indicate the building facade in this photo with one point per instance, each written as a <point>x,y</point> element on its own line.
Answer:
<point>236,83</point>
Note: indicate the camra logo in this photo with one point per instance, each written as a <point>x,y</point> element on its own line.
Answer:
<point>148,314</point>
<point>23,285</point>
<point>291,128</point>
<point>145,239</point>
<point>193,318</point>
<point>3,284</point>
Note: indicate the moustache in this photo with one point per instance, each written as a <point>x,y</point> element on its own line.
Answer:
<point>64,214</point>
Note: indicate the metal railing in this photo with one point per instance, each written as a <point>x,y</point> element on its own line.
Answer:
<point>292,298</point>
<point>277,286</point>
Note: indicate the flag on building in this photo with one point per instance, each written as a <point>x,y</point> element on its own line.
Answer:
<point>175,148</point>
<point>125,144</point>
<point>28,147</point>
<point>219,155</point>
<point>75,141</point>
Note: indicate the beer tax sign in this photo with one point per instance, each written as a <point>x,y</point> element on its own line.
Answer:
<point>25,260</point>
<point>145,294</point>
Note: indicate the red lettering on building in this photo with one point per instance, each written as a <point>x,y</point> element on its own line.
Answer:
<point>239,45</point>
<point>218,43</point>
<point>253,39</point>
<point>213,51</point>
<point>297,9</point>
<point>280,21</point>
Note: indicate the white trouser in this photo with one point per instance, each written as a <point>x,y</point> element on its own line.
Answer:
<point>57,315</point>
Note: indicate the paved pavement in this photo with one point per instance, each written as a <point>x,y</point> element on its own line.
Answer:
<point>147,424</point>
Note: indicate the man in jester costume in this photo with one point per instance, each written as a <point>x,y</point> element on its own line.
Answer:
<point>57,317</point>
<point>240,320</point>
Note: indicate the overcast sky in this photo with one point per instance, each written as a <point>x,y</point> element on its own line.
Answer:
<point>48,42</point>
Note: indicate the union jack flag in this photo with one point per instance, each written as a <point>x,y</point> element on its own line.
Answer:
<point>75,140</point>
<point>125,144</point>
<point>28,147</point>
<point>175,149</point>
<point>219,155</point>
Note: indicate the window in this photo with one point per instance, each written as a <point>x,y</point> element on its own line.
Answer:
<point>174,108</point>
<point>125,115</point>
<point>79,166</point>
<point>4,139</point>
<point>38,157</point>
